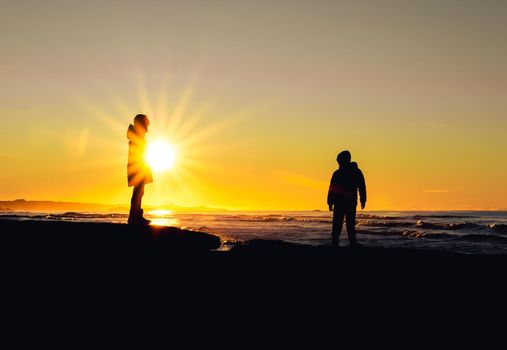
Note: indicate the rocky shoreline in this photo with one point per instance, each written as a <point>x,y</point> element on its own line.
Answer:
<point>154,264</point>
<point>50,240</point>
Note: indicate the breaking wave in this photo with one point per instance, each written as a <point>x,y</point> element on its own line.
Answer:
<point>499,228</point>
<point>420,234</point>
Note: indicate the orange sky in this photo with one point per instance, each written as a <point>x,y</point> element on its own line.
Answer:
<point>258,98</point>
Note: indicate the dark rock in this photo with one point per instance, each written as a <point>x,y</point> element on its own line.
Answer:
<point>263,247</point>
<point>176,238</point>
<point>91,240</point>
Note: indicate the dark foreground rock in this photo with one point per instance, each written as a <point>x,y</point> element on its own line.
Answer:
<point>52,239</point>
<point>373,266</point>
<point>273,248</point>
<point>76,269</point>
<point>105,249</point>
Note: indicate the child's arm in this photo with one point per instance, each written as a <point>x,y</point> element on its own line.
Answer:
<point>330,193</point>
<point>362,189</point>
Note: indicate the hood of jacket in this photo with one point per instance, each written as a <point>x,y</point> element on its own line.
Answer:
<point>131,133</point>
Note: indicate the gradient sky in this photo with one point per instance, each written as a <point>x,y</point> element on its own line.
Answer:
<point>259,97</point>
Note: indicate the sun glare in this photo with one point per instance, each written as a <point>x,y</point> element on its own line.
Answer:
<point>161,155</point>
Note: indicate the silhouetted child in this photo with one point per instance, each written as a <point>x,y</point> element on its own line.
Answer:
<point>138,171</point>
<point>342,196</point>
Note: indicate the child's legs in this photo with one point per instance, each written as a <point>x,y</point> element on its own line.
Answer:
<point>351,224</point>
<point>137,196</point>
<point>337,223</point>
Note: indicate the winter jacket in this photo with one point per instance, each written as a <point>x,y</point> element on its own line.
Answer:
<point>138,170</point>
<point>345,183</point>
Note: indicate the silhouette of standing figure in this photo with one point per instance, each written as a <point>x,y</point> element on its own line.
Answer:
<point>138,171</point>
<point>342,196</point>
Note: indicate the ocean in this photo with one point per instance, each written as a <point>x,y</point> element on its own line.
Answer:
<point>471,232</point>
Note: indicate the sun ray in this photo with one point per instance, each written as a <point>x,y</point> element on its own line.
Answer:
<point>191,122</point>
<point>124,110</point>
<point>181,138</point>
<point>179,110</point>
<point>162,107</point>
<point>106,117</point>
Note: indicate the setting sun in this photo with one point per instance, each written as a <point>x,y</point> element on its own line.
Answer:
<point>161,155</point>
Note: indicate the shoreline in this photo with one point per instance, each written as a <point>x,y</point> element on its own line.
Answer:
<point>95,257</point>
<point>113,238</point>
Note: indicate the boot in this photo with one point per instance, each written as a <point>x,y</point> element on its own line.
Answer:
<point>353,243</point>
<point>136,218</point>
<point>142,220</point>
<point>335,239</point>
<point>132,217</point>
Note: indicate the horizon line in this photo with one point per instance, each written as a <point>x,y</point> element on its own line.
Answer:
<point>211,208</point>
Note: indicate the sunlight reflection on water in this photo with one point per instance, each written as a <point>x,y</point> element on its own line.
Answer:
<point>164,221</point>
<point>163,218</point>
